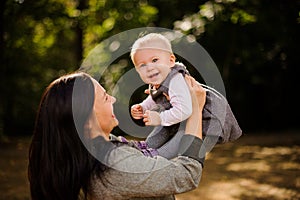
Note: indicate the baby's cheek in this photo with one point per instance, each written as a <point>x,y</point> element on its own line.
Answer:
<point>143,76</point>
<point>145,80</point>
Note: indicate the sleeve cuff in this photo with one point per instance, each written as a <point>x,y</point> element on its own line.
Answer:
<point>192,147</point>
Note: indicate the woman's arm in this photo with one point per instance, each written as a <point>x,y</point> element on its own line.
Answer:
<point>193,125</point>
<point>198,95</point>
<point>131,174</point>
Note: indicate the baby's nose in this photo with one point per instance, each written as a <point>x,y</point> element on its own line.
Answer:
<point>150,66</point>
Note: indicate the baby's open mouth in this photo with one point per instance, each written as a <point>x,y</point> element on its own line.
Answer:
<point>153,75</point>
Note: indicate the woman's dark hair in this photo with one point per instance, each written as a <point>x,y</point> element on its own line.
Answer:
<point>60,166</point>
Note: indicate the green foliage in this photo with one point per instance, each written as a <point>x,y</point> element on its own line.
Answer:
<point>254,43</point>
<point>112,17</point>
<point>44,39</point>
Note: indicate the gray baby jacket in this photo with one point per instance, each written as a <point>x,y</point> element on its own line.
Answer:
<point>218,121</point>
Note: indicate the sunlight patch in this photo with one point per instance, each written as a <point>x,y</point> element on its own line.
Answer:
<point>242,188</point>
<point>289,166</point>
<point>261,166</point>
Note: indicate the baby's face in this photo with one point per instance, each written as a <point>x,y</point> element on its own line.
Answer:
<point>153,65</point>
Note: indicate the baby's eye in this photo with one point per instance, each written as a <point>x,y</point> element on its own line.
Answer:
<point>154,60</point>
<point>142,65</point>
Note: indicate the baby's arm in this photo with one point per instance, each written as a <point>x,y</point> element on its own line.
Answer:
<point>180,100</point>
<point>137,110</point>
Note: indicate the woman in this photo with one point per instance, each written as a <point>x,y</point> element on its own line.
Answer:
<point>71,156</point>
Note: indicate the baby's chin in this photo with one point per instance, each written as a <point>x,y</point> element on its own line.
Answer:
<point>155,82</point>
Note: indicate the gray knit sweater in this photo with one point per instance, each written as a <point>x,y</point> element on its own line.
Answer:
<point>131,175</point>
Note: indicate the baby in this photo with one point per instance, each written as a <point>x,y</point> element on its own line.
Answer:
<point>169,101</point>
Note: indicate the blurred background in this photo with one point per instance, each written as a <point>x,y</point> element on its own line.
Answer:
<point>254,43</point>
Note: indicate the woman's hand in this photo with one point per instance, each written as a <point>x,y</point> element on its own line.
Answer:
<point>197,92</point>
<point>198,95</point>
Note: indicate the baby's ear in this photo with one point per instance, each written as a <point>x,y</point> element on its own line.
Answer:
<point>172,58</point>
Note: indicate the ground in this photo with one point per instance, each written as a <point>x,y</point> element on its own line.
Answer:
<point>257,166</point>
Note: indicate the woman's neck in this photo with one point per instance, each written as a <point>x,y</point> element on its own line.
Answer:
<point>93,130</point>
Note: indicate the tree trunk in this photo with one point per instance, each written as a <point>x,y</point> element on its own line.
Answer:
<point>82,5</point>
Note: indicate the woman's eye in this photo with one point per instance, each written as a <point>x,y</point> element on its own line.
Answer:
<point>142,65</point>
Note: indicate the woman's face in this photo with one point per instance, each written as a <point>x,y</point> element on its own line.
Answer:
<point>103,109</point>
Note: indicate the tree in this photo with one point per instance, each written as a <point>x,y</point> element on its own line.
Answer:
<point>40,40</point>
<point>254,45</point>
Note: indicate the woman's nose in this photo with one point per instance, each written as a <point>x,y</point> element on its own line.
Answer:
<point>113,99</point>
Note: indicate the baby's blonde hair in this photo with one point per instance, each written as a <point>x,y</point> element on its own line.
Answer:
<point>151,41</point>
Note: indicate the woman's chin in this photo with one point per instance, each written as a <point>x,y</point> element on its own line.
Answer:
<point>116,121</point>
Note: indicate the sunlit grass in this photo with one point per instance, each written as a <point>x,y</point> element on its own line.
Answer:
<point>254,167</point>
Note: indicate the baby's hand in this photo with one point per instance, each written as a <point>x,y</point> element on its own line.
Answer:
<point>152,118</point>
<point>137,111</point>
